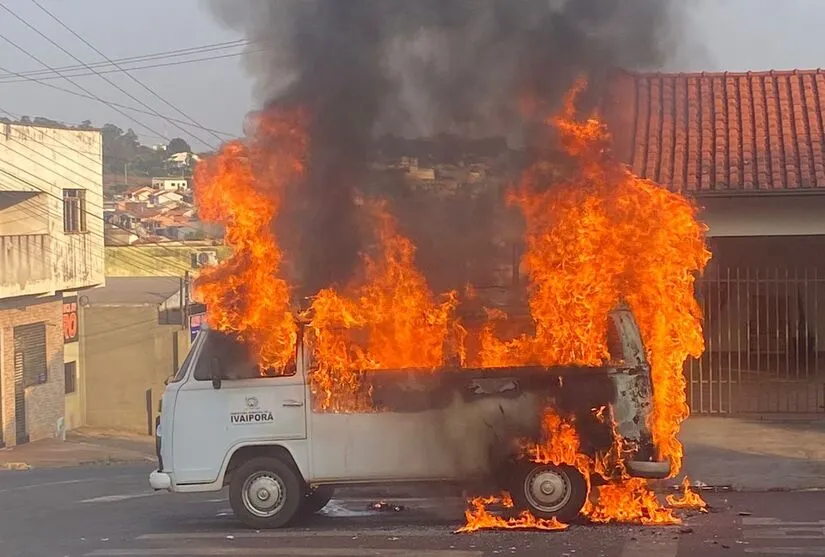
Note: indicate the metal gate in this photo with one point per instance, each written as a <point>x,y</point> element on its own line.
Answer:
<point>762,343</point>
<point>30,368</point>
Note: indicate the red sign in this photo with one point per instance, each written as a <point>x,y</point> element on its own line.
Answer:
<point>70,328</point>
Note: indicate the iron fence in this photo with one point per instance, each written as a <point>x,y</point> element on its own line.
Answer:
<point>763,349</point>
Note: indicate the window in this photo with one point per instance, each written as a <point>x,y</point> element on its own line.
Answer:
<point>70,377</point>
<point>233,358</point>
<point>74,210</point>
<point>30,353</point>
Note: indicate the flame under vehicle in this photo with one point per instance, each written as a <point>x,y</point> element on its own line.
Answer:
<point>224,424</point>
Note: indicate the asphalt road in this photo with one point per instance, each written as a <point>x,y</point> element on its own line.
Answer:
<point>110,512</point>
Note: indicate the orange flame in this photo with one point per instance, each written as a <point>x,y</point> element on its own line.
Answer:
<point>391,320</point>
<point>241,187</point>
<point>597,235</point>
<point>631,500</point>
<point>479,518</point>
<point>689,499</point>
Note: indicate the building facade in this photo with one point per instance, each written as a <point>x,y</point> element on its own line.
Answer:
<point>51,247</point>
<point>133,337</point>
<point>749,149</point>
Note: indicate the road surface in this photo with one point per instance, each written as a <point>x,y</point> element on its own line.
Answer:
<point>111,512</point>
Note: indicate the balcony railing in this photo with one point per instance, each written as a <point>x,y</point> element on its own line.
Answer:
<point>41,263</point>
<point>24,261</point>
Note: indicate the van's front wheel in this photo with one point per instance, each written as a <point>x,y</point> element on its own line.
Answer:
<point>265,493</point>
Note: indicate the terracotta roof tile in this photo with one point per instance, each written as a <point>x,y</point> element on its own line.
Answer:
<point>719,132</point>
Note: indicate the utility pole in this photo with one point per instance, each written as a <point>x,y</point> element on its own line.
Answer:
<point>185,305</point>
<point>126,173</point>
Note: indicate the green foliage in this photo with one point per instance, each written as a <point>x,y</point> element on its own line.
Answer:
<point>177,145</point>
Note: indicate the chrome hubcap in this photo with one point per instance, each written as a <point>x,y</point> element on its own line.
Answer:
<point>263,494</point>
<point>547,489</point>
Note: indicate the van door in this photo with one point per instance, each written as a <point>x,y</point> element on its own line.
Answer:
<point>247,408</point>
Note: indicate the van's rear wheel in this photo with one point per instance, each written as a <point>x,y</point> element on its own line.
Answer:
<point>316,499</point>
<point>549,491</point>
<point>265,493</point>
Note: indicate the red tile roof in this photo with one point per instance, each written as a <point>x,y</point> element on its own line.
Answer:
<point>721,132</point>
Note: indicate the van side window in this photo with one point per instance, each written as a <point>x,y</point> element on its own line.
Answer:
<point>234,359</point>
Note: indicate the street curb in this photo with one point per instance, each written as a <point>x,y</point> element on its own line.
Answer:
<point>22,466</point>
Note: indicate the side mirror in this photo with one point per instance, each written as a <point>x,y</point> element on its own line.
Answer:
<point>215,373</point>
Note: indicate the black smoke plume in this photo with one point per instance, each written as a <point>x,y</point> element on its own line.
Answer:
<point>415,68</point>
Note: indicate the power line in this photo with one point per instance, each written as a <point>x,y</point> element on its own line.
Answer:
<point>148,57</point>
<point>133,78</point>
<point>70,80</point>
<point>106,79</point>
<point>112,104</point>
<point>119,69</point>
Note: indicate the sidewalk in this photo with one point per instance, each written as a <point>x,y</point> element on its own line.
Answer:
<point>82,447</point>
<point>755,455</point>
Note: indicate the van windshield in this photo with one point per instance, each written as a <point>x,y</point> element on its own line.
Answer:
<point>234,357</point>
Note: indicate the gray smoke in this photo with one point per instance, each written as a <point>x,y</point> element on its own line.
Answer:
<point>421,67</point>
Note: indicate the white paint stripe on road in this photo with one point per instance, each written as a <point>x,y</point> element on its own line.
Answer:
<point>815,551</point>
<point>48,484</point>
<point>406,532</point>
<point>115,498</point>
<point>650,547</point>
<point>760,521</point>
<point>793,533</point>
<point>282,552</point>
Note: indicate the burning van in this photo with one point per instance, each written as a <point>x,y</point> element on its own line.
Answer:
<point>224,422</point>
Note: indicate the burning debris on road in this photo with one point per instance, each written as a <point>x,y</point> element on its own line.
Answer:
<point>291,197</point>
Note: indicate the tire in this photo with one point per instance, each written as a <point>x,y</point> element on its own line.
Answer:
<point>265,493</point>
<point>316,499</point>
<point>549,491</point>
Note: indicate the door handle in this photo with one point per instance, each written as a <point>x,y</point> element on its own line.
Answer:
<point>291,402</point>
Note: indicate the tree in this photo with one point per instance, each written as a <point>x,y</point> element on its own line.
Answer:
<point>177,145</point>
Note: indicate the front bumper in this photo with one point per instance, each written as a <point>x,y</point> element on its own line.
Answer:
<point>160,481</point>
<point>651,470</point>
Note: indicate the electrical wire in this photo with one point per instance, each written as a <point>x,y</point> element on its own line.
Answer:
<point>70,80</point>
<point>133,78</point>
<point>124,70</point>
<point>146,57</point>
<point>104,78</point>
<point>113,105</point>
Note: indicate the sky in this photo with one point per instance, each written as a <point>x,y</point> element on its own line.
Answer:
<point>737,35</point>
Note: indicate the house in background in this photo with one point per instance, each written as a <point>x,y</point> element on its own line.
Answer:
<point>140,194</point>
<point>170,183</point>
<point>163,197</point>
<point>749,148</point>
<point>51,245</point>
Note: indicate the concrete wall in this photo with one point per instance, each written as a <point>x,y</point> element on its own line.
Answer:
<point>23,213</point>
<point>773,215</point>
<point>125,352</point>
<point>45,402</point>
<point>169,259</point>
<point>45,161</point>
